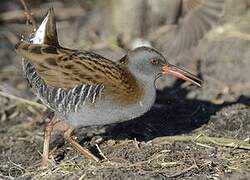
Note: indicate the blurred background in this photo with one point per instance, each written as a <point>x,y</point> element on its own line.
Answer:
<point>221,108</point>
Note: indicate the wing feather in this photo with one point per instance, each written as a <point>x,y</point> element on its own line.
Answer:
<point>198,16</point>
<point>63,68</point>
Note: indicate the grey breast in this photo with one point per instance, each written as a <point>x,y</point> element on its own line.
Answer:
<point>58,99</point>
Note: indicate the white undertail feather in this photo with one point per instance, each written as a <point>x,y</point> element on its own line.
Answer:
<point>39,35</point>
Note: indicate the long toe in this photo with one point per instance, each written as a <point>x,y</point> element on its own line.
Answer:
<point>83,151</point>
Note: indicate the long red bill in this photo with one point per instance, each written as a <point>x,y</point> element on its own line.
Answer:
<point>169,69</point>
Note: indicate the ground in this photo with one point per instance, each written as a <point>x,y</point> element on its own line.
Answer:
<point>190,132</point>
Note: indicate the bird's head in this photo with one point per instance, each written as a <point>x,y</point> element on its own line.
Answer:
<point>149,64</point>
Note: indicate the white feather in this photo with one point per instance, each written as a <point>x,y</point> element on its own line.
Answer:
<point>40,33</point>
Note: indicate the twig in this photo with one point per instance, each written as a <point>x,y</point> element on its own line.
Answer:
<point>28,14</point>
<point>204,145</point>
<point>23,101</point>
<point>194,166</point>
<point>16,165</point>
<point>100,152</point>
<point>226,142</point>
<point>82,177</point>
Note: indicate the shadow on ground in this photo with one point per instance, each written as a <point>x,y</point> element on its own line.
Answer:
<point>172,114</point>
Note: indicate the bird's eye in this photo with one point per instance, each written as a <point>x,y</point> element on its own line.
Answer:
<point>154,61</point>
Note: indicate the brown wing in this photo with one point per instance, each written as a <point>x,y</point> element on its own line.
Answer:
<point>49,61</point>
<point>64,68</point>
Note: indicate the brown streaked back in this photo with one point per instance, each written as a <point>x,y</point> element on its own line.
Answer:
<point>63,68</point>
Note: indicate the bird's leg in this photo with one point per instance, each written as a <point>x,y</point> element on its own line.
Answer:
<point>47,135</point>
<point>77,146</point>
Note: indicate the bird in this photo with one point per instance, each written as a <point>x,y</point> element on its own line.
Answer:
<point>191,21</point>
<point>84,88</point>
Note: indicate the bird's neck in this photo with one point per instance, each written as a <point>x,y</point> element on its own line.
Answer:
<point>147,86</point>
<point>144,83</point>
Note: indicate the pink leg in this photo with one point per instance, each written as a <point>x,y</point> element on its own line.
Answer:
<point>78,147</point>
<point>47,135</point>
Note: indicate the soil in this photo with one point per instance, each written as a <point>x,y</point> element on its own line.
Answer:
<point>138,149</point>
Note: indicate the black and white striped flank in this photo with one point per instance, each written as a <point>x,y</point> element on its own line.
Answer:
<point>58,99</point>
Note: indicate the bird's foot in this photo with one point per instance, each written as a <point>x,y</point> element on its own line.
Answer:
<point>83,151</point>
